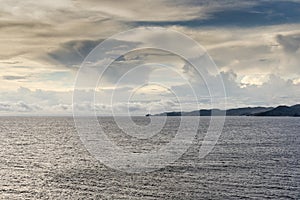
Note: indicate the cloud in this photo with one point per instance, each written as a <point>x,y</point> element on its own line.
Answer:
<point>14,77</point>
<point>254,43</point>
<point>42,26</point>
<point>60,103</point>
<point>19,107</point>
<point>252,51</point>
<point>128,10</point>
<point>72,53</point>
<point>35,102</point>
<point>290,48</point>
<point>290,43</point>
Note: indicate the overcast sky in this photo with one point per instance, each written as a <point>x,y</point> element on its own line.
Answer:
<point>255,44</point>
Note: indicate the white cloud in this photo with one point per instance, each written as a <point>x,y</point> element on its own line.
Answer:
<point>252,51</point>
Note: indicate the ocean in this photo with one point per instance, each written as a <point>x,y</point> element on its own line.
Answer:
<point>254,158</point>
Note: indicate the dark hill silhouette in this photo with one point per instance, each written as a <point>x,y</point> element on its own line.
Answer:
<point>292,111</point>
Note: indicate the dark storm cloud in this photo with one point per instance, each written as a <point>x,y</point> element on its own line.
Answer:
<point>73,52</point>
<point>290,43</point>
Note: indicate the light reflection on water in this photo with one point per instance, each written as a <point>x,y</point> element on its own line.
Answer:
<point>43,157</point>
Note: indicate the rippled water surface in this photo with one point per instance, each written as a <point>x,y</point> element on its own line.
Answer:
<point>43,158</point>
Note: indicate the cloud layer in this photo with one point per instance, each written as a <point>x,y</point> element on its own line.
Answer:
<point>255,44</point>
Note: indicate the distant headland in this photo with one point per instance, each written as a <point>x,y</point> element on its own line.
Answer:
<point>280,111</point>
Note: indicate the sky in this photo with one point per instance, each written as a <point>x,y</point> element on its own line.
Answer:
<point>255,45</point>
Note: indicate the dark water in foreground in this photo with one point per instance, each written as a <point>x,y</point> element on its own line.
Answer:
<point>43,158</point>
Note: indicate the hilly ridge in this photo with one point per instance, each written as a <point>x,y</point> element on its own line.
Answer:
<point>288,111</point>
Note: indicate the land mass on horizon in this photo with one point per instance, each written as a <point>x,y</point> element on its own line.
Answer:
<point>283,111</point>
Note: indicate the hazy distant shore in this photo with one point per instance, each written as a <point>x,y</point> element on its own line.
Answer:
<point>280,111</point>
